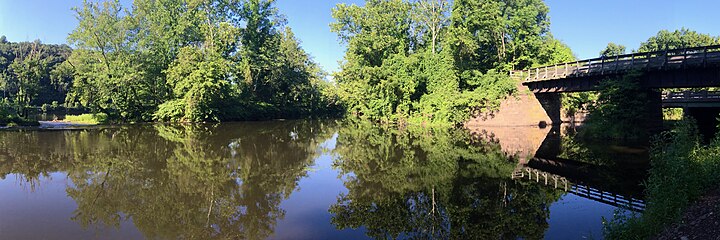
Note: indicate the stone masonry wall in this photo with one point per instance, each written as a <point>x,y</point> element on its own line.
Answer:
<point>522,110</point>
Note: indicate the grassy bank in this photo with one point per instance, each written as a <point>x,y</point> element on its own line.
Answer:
<point>90,118</point>
<point>682,170</point>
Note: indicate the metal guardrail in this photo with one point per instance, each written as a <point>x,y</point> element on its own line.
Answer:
<point>559,182</point>
<point>676,58</point>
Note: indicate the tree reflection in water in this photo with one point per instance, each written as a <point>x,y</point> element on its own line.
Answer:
<point>227,181</point>
<point>193,182</point>
<point>434,183</point>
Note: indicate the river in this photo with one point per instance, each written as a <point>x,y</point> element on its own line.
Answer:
<point>310,180</point>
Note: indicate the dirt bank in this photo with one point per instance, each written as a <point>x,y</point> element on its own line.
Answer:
<point>700,221</point>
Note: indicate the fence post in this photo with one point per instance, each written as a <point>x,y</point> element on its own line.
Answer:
<point>617,62</point>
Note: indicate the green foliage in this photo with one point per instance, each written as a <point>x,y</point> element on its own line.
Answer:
<point>578,102</point>
<point>415,62</point>
<point>619,110</point>
<point>612,49</point>
<point>497,33</point>
<point>200,85</point>
<point>9,115</point>
<point>197,61</point>
<point>682,170</point>
<point>677,39</point>
<point>553,51</point>
<point>26,72</point>
<point>672,114</point>
<point>96,118</point>
<point>45,107</point>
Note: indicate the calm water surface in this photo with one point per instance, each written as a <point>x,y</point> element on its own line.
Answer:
<point>303,180</point>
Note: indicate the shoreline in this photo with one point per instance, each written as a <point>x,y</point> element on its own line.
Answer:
<point>701,220</point>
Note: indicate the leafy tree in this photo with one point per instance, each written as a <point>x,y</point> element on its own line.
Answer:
<point>497,33</point>
<point>613,49</point>
<point>109,77</point>
<point>26,72</point>
<point>620,109</point>
<point>683,38</point>
<point>186,60</point>
<point>432,14</point>
<point>419,61</point>
<point>553,51</point>
<point>201,85</point>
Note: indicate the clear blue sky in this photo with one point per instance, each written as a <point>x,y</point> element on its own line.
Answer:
<point>586,26</point>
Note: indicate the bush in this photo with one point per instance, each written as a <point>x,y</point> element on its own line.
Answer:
<point>681,171</point>
<point>620,111</point>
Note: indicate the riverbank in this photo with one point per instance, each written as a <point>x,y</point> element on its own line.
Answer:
<point>700,221</point>
<point>63,124</point>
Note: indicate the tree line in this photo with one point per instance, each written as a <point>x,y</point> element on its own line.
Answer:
<point>438,61</point>
<point>407,61</point>
<point>29,73</point>
<point>192,61</point>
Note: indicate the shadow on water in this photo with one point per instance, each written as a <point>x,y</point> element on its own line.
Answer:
<point>235,180</point>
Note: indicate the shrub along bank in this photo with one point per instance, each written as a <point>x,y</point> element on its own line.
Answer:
<point>682,170</point>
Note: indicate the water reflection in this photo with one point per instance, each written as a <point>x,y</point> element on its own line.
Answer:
<point>195,182</point>
<point>233,181</point>
<point>434,184</point>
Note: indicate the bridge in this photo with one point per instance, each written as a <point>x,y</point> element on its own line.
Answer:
<point>608,184</point>
<point>578,188</point>
<point>696,67</point>
<point>678,68</point>
<point>688,99</point>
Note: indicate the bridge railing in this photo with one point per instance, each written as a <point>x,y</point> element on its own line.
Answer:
<point>559,182</point>
<point>691,96</point>
<point>675,58</point>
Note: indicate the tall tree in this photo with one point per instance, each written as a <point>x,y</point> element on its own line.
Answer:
<point>433,17</point>
<point>497,33</point>
<point>109,75</point>
<point>28,70</point>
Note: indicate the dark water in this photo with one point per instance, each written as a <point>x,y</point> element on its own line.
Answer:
<point>300,180</point>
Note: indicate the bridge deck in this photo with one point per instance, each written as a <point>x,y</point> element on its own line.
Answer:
<point>660,60</point>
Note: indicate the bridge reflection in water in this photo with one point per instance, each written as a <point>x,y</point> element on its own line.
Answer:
<point>579,189</point>
<point>604,173</point>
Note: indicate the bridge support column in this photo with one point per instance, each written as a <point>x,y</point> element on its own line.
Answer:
<point>654,110</point>
<point>551,103</point>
